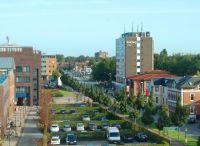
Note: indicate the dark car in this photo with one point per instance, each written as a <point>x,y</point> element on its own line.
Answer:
<point>92,126</point>
<point>62,111</point>
<point>104,126</point>
<point>53,111</point>
<point>72,111</point>
<point>191,120</point>
<point>128,138</point>
<point>116,125</point>
<point>71,138</point>
<point>141,137</point>
<point>103,118</point>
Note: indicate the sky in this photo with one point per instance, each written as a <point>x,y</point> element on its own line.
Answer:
<point>82,27</point>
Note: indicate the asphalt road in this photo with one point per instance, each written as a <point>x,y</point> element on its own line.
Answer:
<point>30,132</point>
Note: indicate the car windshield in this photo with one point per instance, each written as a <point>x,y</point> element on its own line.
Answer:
<point>114,134</point>
<point>55,138</point>
<point>54,126</point>
<point>71,137</point>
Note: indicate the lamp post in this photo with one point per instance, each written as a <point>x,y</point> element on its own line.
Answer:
<point>185,136</point>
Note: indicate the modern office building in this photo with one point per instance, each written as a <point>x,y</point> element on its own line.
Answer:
<point>49,64</point>
<point>27,74</point>
<point>134,55</point>
<point>101,55</point>
<point>7,91</point>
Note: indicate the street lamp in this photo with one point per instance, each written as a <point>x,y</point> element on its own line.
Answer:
<point>186,136</point>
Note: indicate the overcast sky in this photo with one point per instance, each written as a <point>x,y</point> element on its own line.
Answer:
<point>82,27</point>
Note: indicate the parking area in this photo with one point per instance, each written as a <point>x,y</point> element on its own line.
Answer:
<point>88,124</point>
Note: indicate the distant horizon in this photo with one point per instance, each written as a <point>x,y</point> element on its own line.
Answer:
<point>83,27</point>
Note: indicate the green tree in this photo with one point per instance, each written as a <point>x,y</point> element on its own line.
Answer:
<point>180,114</point>
<point>164,118</point>
<point>60,58</point>
<point>147,117</point>
<point>134,114</point>
<point>56,74</point>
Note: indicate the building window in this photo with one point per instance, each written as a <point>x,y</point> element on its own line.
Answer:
<point>192,95</point>
<point>156,88</point>
<point>191,109</point>
<point>26,69</point>
<point>156,99</point>
<point>163,89</point>
<point>18,68</point>
<point>22,79</point>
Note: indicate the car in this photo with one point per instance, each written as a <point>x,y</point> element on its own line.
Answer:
<point>54,128</point>
<point>72,111</point>
<point>103,118</point>
<point>92,126</point>
<point>71,138</point>
<point>116,125</point>
<point>53,111</point>
<point>191,120</point>
<point>128,138</point>
<point>113,135</point>
<point>80,127</point>
<point>55,140</point>
<point>104,126</point>
<point>62,111</point>
<point>86,118</point>
<point>67,128</point>
<point>141,137</point>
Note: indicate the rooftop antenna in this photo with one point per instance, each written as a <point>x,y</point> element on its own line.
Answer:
<point>141,27</point>
<point>137,28</point>
<point>8,39</point>
<point>132,27</point>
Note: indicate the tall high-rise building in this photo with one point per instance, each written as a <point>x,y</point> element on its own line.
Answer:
<point>27,74</point>
<point>134,55</point>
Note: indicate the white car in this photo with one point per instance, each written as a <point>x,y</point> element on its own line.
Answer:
<point>67,128</point>
<point>55,140</point>
<point>54,128</point>
<point>80,127</point>
<point>86,118</point>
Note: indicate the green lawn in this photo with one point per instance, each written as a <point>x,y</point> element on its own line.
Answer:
<point>67,93</point>
<point>60,93</point>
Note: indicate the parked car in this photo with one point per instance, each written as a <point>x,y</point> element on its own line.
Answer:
<point>191,120</point>
<point>71,138</point>
<point>54,128</point>
<point>67,128</point>
<point>86,118</point>
<point>116,125</point>
<point>104,126</point>
<point>113,135</point>
<point>72,111</point>
<point>80,127</point>
<point>141,137</point>
<point>55,140</point>
<point>92,126</point>
<point>53,111</point>
<point>128,138</point>
<point>62,111</point>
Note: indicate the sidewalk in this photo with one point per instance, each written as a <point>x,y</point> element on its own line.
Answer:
<point>23,118</point>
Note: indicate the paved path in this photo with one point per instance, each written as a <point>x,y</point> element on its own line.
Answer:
<point>30,132</point>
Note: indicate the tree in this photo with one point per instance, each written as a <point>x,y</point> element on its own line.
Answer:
<point>180,114</point>
<point>164,118</point>
<point>60,58</point>
<point>147,117</point>
<point>134,114</point>
<point>151,103</point>
<point>140,101</point>
<point>56,74</point>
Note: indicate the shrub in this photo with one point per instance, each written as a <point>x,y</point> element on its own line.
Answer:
<point>57,94</point>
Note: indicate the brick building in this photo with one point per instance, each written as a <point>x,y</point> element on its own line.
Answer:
<point>27,73</point>
<point>49,64</point>
<point>7,91</point>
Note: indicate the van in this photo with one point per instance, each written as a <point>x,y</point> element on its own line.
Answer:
<point>113,135</point>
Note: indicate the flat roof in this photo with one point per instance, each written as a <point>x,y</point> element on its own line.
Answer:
<point>7,63</point>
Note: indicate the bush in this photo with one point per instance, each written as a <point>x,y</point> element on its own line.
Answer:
<point>57,94</point>
<point>126,125</point>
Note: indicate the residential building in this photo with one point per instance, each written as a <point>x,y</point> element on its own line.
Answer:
<point>187,88</point>
<point>134,55</point>
<point>141,84</point>
<point>101,55</point>
<point>27,74</point>
<point>7,91</point>
<point>49,64</point>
